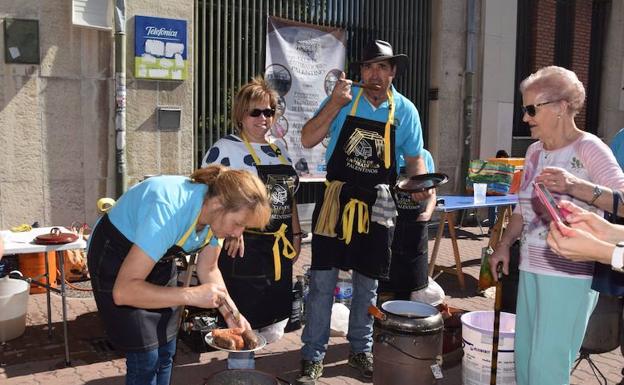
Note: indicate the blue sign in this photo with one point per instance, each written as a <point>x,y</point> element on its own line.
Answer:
<point>160,48</point>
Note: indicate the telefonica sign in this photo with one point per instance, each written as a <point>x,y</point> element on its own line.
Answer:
<point>160,48</point>
<point>160,32</point>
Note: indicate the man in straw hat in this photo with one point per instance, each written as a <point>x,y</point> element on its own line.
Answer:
<point>370,126</point>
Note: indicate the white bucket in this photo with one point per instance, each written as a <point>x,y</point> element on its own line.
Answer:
<point>14,303</point>
<point>477,331</point>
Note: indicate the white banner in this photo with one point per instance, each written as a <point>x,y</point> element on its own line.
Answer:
<point>303,62</point>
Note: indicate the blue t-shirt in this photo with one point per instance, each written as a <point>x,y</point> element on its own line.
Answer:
<point>426,155</point>
<point>156,213</point>
<point>408,135</point>
<point>617,146</point>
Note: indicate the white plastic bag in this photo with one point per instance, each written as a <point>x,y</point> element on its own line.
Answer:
<point>274,331</point>
<point>339,325</point>
<point>433,294</point>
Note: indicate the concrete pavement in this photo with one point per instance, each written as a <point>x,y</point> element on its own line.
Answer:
<point>33,359</point>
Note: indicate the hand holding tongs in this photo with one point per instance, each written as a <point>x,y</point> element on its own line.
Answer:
<point>226,304</point>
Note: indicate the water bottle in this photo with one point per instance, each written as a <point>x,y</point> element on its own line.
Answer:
<point>294,323</point>
<point>343,292</point>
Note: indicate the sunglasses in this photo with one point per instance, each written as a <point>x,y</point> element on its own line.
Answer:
<point>267,112</point>
<point>531,109</point>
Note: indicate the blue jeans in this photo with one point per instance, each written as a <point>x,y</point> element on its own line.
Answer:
<point>152,367</point>
<point>320,299</point>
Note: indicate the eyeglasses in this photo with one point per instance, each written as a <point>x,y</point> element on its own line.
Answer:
<point>267,112</point>
<point>531,108</point>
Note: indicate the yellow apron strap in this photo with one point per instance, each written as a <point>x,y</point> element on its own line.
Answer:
<point>355,104</point>
<point>188,232</point>
<point>348,218</point>
<point>389,123</point>
<point>255,156</point>
<point>288,250</point>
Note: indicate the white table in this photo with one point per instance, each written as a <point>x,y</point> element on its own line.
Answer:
<point>22,243</point>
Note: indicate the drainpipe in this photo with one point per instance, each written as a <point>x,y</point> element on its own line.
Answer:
<point>471,46</point>
<point>120,98</point>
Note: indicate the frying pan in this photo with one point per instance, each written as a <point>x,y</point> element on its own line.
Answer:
<point>244,377</point>
<point>55,237</point>
<point>422,182</point>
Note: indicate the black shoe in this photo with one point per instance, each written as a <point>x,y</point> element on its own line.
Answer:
<point>362,362</point>
<point>310,372</point>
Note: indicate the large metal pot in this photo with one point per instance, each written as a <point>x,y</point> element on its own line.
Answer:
<point>603,328</point>
<point>407,342</point>
<point>244,377</point>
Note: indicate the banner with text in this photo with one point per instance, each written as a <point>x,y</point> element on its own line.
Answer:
<point>303,62</point>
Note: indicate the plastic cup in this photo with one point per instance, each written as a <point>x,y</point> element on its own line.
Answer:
<point>480,190</point>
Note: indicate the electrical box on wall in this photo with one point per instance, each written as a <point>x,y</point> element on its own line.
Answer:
<point>21,41</point>
<point>168,118</point>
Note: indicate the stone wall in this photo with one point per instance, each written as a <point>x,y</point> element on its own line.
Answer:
<point>57,118</point>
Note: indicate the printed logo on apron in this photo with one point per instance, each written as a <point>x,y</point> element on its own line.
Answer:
<point>360,148</point>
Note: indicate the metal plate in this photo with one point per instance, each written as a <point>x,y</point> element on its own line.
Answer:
<point>422,182</point>
<point>261,343</point>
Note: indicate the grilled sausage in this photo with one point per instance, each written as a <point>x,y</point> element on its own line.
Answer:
<point>229,338</point>
<point>250,338</point>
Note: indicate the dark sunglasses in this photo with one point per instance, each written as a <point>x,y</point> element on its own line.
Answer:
<point>531,108</point>
<point>267,112</point>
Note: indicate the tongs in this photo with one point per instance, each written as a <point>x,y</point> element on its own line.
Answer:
<point>235,313</point>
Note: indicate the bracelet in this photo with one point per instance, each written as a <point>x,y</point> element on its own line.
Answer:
<point>299,234</point>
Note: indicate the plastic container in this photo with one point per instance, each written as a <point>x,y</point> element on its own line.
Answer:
<point>477,331</point>
<point>344,291</point>
<point>33,265</point>
<point>14,303</point>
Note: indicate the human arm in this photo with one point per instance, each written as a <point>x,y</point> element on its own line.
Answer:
<point>579,245</point>
<point>316,129</point>
<point>592,223</point>
<point>132,289</point>
<point>415,165</point>
<point>209,274</point>
<point>501,250</point>
<point>561,181</point>
<point>297,234</point>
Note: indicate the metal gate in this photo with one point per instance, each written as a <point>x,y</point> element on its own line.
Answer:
<point>230,48</point>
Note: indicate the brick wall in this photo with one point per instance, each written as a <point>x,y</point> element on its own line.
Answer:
<point>543,51</point>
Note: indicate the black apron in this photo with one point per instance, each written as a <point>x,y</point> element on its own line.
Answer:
<point>131,329</point>
<point>260,283</point>
<point>363,158</point>
<point>409,267</point>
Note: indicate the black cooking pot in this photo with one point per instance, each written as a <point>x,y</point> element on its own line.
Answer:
<point>244,377</point>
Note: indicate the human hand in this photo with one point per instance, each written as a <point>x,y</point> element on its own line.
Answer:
<point>557,180</point>
<point>591,223</point>
<point>341,95</point>
<point>234,246</point>
<point>206,295</point>
<point>500,255</point>
<point>237,322</point>
<point>577,245</point>
<point>422,195</point>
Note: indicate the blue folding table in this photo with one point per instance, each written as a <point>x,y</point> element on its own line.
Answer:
<point>447,208</point>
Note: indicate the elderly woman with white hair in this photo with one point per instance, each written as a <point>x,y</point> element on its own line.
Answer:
<point>555,299</point>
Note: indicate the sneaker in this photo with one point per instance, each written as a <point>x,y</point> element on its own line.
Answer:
<point>310,372</point>
<point>362,362</point>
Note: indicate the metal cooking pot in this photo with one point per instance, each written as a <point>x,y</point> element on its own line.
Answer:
<point>407,342</point>
<point>603,328</point>
<point>244,377</point>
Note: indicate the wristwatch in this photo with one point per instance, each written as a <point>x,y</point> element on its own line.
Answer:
<point>617,258</point>
<point>595,194</point>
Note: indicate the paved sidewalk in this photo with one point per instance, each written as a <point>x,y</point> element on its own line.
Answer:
<point>33,359</point>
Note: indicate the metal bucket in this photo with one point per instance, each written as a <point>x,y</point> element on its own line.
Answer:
<point>244,377</point>
<point>407,342</point>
